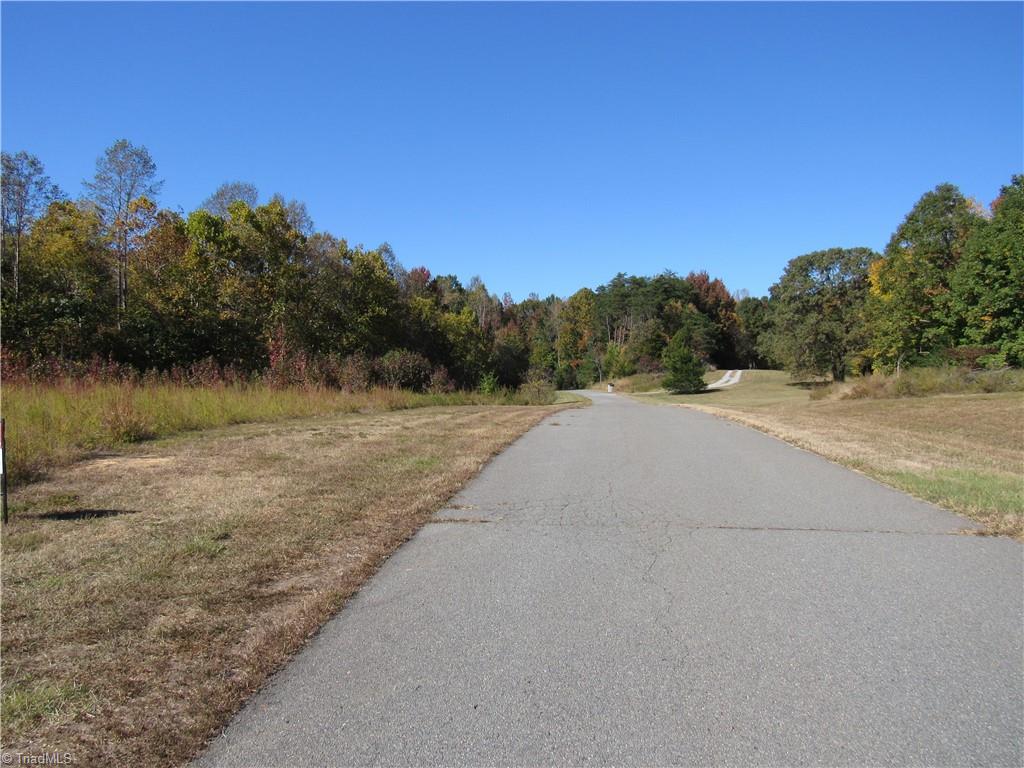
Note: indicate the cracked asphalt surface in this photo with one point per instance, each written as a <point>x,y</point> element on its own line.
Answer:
<point>634,584</point>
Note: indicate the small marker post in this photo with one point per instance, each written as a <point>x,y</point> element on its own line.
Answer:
<point>3,469</point>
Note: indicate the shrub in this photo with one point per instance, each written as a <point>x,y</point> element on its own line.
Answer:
<point>205,373</point>
<point>921,382</point>
<point>1013,348</point>
<point>488,384</point>
<point>440,382</point>
<point>873,386</point>
<point>623,367</point>
<point>586,373</point>
<point>539,373</point>
<point>536,392</point>
<point>647,364</point>
<point>322,372</point>
<point>993,361</point>
<point>645,382</point>
<point>355,373</point>
<point>565,377</point>
<point>970,356</point>
<point>20,368</point>
<point>685,370</point>
<point>402,369</point>
<point>278,372</point>
<point>928,381</point>
<point>1004,380</point>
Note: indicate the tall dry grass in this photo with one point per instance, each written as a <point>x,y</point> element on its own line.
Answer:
<point>51,424</point>
<point>923,382</point>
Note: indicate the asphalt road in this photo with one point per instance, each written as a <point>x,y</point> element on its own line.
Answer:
<point>634,584</point>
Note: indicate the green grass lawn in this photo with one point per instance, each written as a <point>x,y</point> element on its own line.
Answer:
<point>755,388</point>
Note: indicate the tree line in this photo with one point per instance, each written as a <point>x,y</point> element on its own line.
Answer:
<point>256,289</point>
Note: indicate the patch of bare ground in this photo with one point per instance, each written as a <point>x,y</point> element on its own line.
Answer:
<point>146,596</point>
<point>965,452</point>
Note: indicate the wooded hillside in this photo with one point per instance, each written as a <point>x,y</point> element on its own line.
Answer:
<point>239,288</point>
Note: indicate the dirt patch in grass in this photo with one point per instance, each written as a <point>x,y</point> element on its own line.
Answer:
<point>131,637</point>
<point>964,452</point>
<point>127,462</point>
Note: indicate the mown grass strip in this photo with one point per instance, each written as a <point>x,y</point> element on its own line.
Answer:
<point>963,452</point>
<point>994,499</point>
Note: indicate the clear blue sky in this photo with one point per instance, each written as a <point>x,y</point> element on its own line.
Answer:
<point>541,146</point>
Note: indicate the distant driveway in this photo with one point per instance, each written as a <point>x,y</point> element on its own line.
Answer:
<point>728,379</point>
<point>641,585</point>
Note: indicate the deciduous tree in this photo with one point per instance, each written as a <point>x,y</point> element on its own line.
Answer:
<point>124,173</point>
<point>231,192</point>
<point>817,310</point>
<point>986,300</point>
<point>754,327</point>
<point>909,286</point>
<point>25,192</point>
<point>66,286</point>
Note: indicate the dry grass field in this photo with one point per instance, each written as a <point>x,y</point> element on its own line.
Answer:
<point>964,452</point>
<point>52,424</point>
<point>147,592</point>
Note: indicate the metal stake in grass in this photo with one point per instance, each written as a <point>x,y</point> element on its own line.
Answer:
<point>3,469</point>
